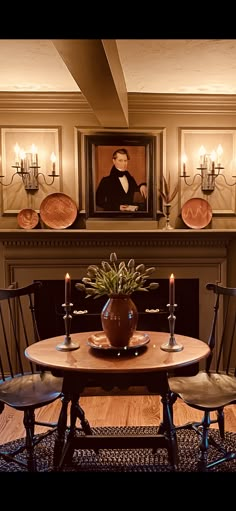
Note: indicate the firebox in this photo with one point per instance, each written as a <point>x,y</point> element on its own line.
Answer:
<point>151,305</point>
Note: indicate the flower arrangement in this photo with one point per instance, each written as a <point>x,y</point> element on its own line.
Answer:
<point>116,278</point>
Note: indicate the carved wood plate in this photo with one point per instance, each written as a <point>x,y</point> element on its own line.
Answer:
<point>196,213</point>
<point>58,211</point>
<point>27,218</point>
<point>100,341</point>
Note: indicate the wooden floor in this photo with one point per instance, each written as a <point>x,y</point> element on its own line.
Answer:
<point>110,411</point>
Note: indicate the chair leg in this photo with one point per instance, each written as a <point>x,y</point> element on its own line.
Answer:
<point>221,422</point>
<point>204,443</point>
<point>29,421</point>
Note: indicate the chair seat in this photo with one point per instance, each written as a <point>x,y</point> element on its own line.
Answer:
<point>30,390</point>
<point>205,390</point>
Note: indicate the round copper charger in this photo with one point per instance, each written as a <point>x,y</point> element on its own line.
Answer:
<point>27,218</point>
<point>196,213</point>
<point>58,211</point>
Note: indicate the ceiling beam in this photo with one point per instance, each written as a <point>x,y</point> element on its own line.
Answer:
<point>95,66</point>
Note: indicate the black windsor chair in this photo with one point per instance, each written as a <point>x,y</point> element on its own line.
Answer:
<point>23,386</point>
<point>212,389</point>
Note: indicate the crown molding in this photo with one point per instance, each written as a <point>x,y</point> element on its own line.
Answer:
<point>182,103</point>
<point>31,102</point>
<point>75,102</point>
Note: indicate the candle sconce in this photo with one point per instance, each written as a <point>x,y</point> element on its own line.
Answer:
<point>27,168</point>
<point>209,170</point>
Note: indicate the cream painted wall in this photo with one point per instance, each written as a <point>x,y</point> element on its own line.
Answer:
<point>143,115</point>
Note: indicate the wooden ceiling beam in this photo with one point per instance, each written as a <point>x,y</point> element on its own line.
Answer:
<point>96,68</point>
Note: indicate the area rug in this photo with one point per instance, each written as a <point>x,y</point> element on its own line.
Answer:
<point>126,460</point>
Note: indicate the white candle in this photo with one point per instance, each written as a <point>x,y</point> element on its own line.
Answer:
<point>184,160</point>
<point>213,159</point>
<point>172,290</point>
<point>34,155</point>
<point>22,159</point>
<point>202,152</point>
<point>53,160</point>
<point>67,288</point>
<point>219,154</point>
<point>17,153</point>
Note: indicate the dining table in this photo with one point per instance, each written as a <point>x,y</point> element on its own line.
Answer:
<point>95,363</point>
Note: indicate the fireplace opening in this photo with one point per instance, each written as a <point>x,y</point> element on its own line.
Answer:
<point>152,308</point>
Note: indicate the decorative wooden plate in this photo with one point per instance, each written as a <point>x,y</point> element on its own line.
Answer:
<point>27,218</point>
<point>58,211</point>
<point>100,341</point>
<point>196,213</point>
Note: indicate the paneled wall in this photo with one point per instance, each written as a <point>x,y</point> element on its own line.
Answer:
<point>148,113</point>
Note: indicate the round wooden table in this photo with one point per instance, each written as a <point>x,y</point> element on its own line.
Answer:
<point>146,366</point>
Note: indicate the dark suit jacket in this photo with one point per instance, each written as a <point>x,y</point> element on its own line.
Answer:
<point>110,193</point>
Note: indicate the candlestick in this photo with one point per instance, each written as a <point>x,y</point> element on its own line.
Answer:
<point>67,345</point>
<point>171,345</point>
<point>172,290</point>
<point>67,288</point>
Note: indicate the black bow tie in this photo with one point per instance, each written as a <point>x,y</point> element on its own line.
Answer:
<point>120,173</point>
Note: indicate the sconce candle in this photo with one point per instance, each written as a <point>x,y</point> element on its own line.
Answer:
<point>184,160</point>
<point>67,288</point>
<point>22,159</point>
<point>34,155</point>
<point>219,154</point>
<point>172,290</point>
<point>202,152</point>
<point>53,160</point>
<point>17,153</point>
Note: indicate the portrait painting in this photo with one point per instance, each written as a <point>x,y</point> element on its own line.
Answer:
<point>120,178</point>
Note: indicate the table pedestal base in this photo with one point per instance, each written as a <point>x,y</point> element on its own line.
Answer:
<point>165,436</point>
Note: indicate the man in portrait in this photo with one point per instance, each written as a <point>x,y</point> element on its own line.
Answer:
<point>119,190</point>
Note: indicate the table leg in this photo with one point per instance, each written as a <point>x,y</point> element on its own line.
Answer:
<point>61,430</point>
<point>167,427</point>
<point>76,412</point>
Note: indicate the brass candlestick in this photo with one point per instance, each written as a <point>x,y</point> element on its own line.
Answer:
<point>171,345</point>
<point>67,345</point>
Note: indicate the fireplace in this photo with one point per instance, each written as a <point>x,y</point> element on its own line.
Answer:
<point>195,258</point>
<point>152,308</point>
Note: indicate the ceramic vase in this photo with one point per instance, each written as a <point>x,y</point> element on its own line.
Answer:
<point>119,319</point>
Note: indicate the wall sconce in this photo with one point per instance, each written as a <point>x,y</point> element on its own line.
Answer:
<point>27,168</point>
<point>209,169</point>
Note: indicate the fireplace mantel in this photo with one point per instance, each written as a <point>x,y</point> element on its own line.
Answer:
<point>148,238</point>
<point>44,254</point>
